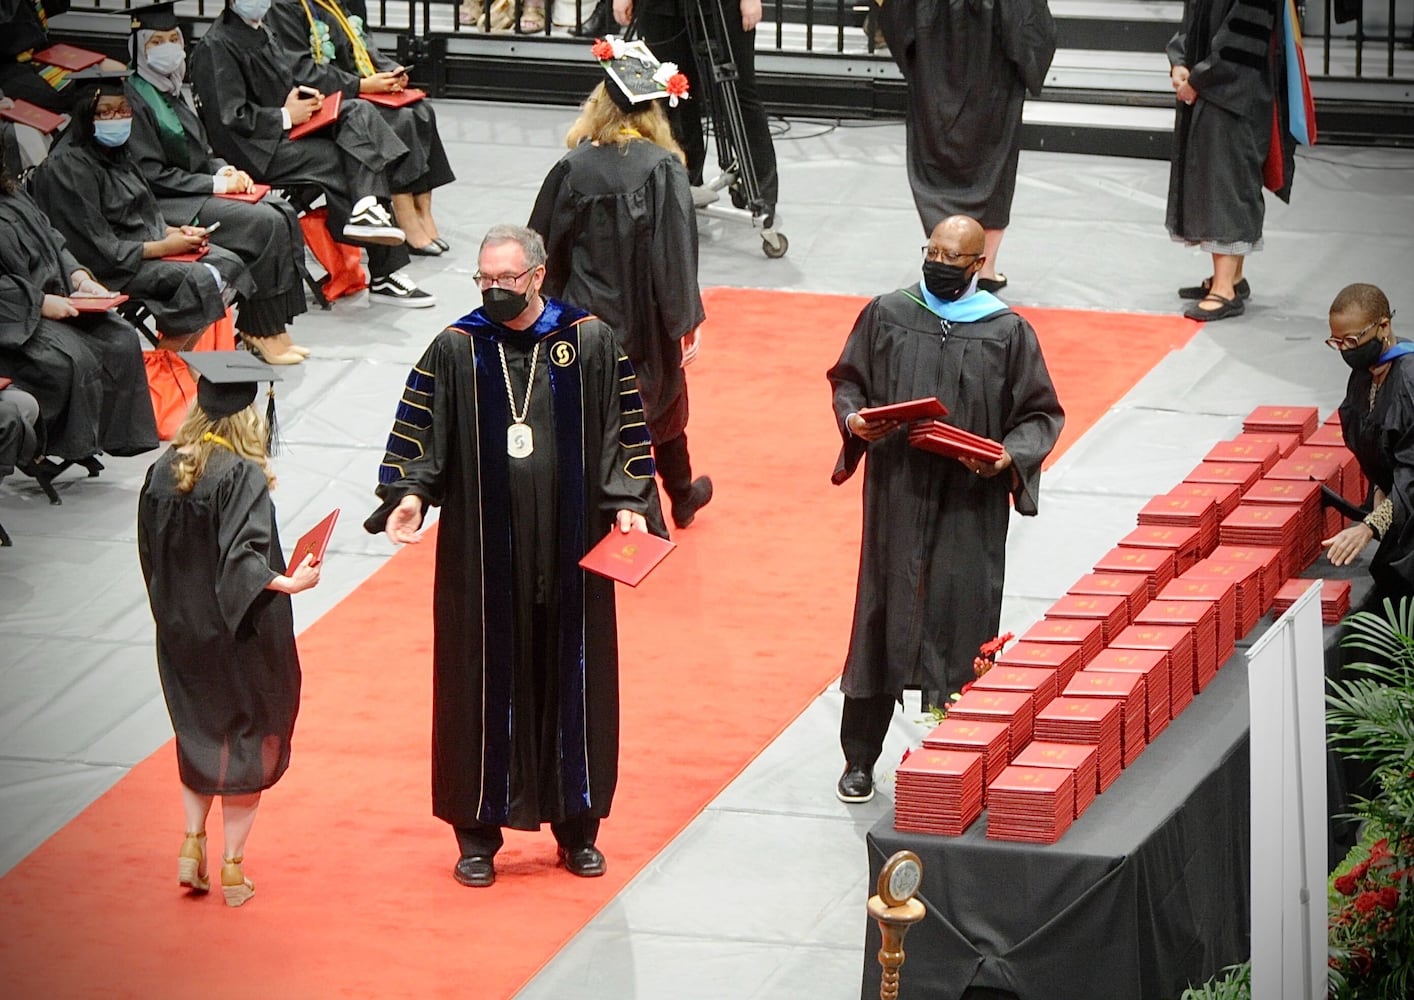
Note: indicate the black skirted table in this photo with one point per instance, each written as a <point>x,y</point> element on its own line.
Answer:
<point>1147,892</point>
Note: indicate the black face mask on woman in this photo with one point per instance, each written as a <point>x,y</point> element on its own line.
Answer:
<point>501,305</point>
<point>1367,355</point>
<point>946,281</point>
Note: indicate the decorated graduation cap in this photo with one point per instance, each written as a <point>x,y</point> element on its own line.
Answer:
<point>108,81</point>
<point>153,16</point>
<point>228,380</point>
<point>636,77</point>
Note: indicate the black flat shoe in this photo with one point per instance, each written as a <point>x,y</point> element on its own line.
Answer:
<point>855,785</point>
<point>1228,309</point>
<point>991,284</point>
<point>586,861</point>
<point>443,244</point>
<point>1244,290</point>
<point>598,24</point>
<point>699,495</point>
<point>477,871</point>
<point>430,250</point>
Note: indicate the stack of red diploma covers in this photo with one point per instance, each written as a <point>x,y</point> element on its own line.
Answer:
<point>1223,595</point>
<point>1185,512</point>
<point>25,113</point>
<point>937,792</point>
<point>1073,757</point>
<point>1306,495</point>
<point>327,115</point>
<point>927,408</point>
<point>1128,691</point>
<point>1157,565</point>
<point>627,556</point>
<point>1011,708</point>
<point>1328,435</point>
<point>1062,658</point>
<point>1239,474</point>
<point>1176,643</point>
<point>401,99</point>
<point>1039,683</point>
<point>991,739</point>
<point>1320,464</point>
<point>1200,618</point>
<point>96,303</point>
<point>1152,666</point>
<point>945,439</point>
<point>1031,804</point>
<point>69,57</point>
<point>1226,495</point>
<point>1112,611</point>
<point>1182,542</point>
<point>1093,721</point>
<point>1131,586</point>
<point>1246,448</point>
<point>1298,420</point>
<point>256,192</point>
<point>1269,527</point>
<point>1268,561</point>
<point>315,541</point>
<point>1088,635</point>
<point>1246,578</point>
<point>1335,598</point>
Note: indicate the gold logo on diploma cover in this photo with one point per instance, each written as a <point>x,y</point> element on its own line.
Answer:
<point>562,354</point>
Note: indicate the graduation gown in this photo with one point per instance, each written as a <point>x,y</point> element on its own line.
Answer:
<point>1221,141</point>
<point>968,65</point>
<point>22,32</point>
<point>169,146</point>
<point>87,371</point>
<point>1382,440</point>
<point>525,650</point>
<point>225,645</point>
<point>415,125</point>
<point>100,201</point>
<point>621,236</point>
<point>933,552</point>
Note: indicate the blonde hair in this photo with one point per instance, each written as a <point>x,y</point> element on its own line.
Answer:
<point>603,123</point>
<point>245,431</point>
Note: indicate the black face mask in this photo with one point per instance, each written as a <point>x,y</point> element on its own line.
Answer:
<point>501,305</point>
<point>946,281</point>
<point>1367,355</point>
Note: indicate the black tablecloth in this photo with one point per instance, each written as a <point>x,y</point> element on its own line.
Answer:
<point>1147,892</point>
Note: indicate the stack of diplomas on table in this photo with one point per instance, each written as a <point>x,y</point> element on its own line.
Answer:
<point>1092,721</point>
<point>1112,610</point>
<point>1222,593</point>
<point>1246,448</point>
<point>991,739</point>
<point>1159,566</point>
<point>1152,665</point>
<point>1335,598</point>
<point>1185,512</point>
<point>1328,435</point>
<point>1298,420</point>
<point>937,792</point>
<point>1246,579</point>
<point>1182,542</point>
<point>1286,443</point>
<point>1041,684</point>
<point>945,439</point>
<point>1268,561</point>
<point>1226,495</point>
<point>1035,805</point>
<point>1269,527</point>
<point>1200,618</point>
<point>1176,643</point>
<point>1010,707</point>
<point>1074,757</point>
<point>1131,586</point>
<point>1128,690</point>
<point>1088,635</point>
<point>1354,485</point>
<point>1306,495</point>
<point>1327,469</point>
<point>1064,658</point>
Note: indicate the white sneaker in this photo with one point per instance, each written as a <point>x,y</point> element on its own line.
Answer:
<point>371,223</point>
<point>397,289</point>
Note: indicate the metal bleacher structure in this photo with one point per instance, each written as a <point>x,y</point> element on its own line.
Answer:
<point>1107,92</point>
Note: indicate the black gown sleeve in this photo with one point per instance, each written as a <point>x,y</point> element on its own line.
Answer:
<point>165,178</point>
<point>416,456</point>
<point>556,227</point>
<point>850,380</point>
<point>20,302</point>
<point>625,450</point>
<point>1028,37</point>
<point>216,76</point>
<point>1036,416</point>
<point>1394,560</point>
<point>674,255</point>
<point>1238,55</point>
<point>245,531</point>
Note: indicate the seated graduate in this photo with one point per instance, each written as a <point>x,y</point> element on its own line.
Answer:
<point>248,98</point>
<point>169,146</point>
<point>85,369</point>
<point>24,30</point>
<point>94,193</point>
<point>19,423</point>
<point>338,55</point>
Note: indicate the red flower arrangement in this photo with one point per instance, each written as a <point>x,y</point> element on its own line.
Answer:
<point>1372,919</point>
<point>602,50</point>
<point>676,85</point>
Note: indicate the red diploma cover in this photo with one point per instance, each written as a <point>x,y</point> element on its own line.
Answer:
<point>913,409</point>
<point>401,99</point>
<point>945,439</point>
<point>327,114</point>
<point>191,256</point>
<point>256,192</point>
<point>69,57</point>
<point>314,541</point>
<point>627,556</point>
<point>5,382</point>
<point>96,303</point>
<point>32,115</point>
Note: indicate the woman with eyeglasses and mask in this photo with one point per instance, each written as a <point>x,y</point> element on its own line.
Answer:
<point>1377,421</point>
<point>93,192</point>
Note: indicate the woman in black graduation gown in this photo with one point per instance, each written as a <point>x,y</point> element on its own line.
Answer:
<point>95,195</point>
<point>343,58</point>
<point>219,590</point>
<point>84,368</point>
<point>617,218</point>
<point>169,145</point>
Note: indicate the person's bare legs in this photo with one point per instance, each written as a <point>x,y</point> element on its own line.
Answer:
<point>191,859</point>
<point>237,817</point>
<point>1227,272</point>
<point>993,239</point>
<point>422,204</point>
<point>195,807</point>
<point>409,221</point>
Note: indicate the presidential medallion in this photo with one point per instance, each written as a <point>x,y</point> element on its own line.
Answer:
<point>520,442</point>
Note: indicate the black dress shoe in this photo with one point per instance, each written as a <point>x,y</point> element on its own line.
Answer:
<point>855,785</point>
<point>586,861</point>
<point>477,871</point>
<point>1226,308</point>
<point>599,23</point>
<point>699,495</point>
<point>1193,292</point>
<point>443,244</point>
<point>993,285</point>
<point>430,250</point>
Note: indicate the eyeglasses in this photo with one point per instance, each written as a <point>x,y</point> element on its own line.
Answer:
<point>946,256</point>
<point>122,111</point>
<point>485,281</point>
<point>1352,340</point>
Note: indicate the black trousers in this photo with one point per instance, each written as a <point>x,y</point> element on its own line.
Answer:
<point>484,840</point>
<point>674,467</point>
<point>863,726</point>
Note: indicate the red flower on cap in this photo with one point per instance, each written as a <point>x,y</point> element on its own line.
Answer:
<point>602,51</point>
<point>676,85</point>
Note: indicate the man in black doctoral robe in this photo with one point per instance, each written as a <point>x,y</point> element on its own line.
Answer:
<point>968,65</point>
<point>933,552</point>
<point>513,423</point>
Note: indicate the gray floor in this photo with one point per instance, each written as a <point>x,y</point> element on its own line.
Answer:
<point>763,895</point>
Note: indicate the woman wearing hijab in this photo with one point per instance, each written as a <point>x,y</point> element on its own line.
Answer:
<point>169,145</point>
<point>617,218</point>
<point>220,596</point>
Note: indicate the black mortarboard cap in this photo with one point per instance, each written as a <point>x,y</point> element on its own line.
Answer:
<point>108,81</point>
<point>154,16</point>
<point>228,380</point>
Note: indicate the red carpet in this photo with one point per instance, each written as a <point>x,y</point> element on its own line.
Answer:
<point>355,896</point>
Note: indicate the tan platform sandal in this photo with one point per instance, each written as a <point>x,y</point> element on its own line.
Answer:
<point>234,885</point>
<point>191,863</point>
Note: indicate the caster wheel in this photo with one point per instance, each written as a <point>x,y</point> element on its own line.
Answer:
<point>775,246</point>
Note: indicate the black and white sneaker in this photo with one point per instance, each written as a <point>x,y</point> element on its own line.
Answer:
<point>397,289</point>
<point>371,223</point>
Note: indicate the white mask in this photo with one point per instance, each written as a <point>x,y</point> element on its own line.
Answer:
<point>168,59</point>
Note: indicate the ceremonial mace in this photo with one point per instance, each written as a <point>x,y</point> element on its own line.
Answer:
<point>896,911</point>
